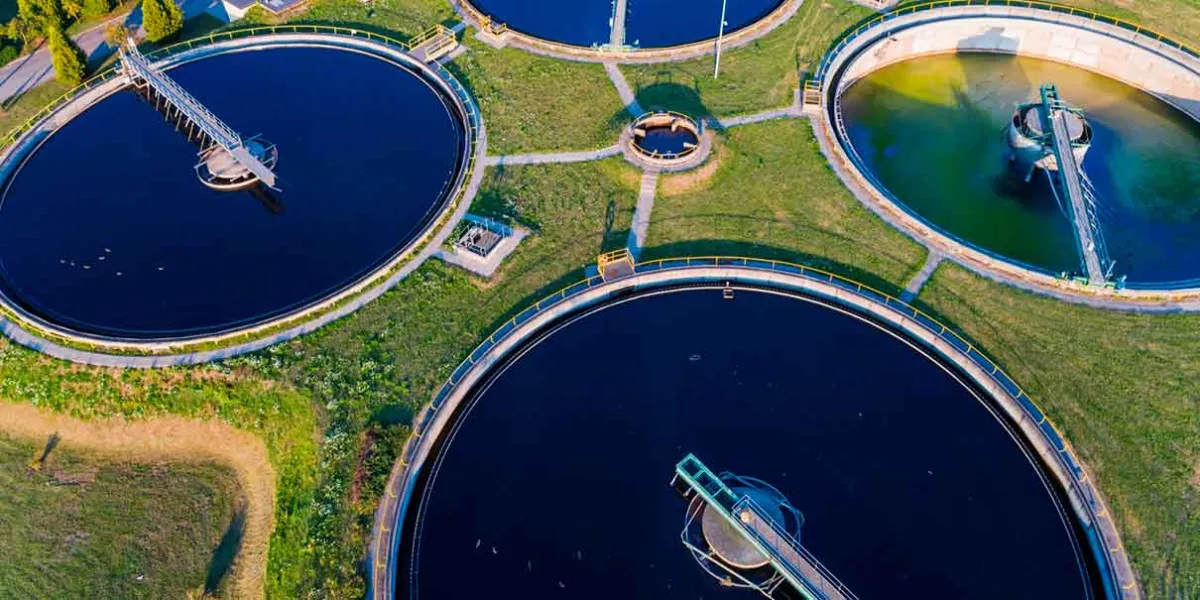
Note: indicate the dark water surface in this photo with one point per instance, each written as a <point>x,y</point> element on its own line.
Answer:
<point>931,129</point>
<point>557,483</point>
<point>649,23</point>
<point>108,230</point>
<point>664,141</point>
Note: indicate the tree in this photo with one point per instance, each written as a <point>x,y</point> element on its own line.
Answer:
<point>116,34</point>
<point>70,64</point>
<point>161,19</point>
<point>38,15</point>
<point>71,8</point>
<point>21,29</point>
<point>96,8</point>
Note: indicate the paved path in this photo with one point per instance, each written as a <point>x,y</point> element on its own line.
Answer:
<point>641,215</point>
<point>794,111</point>
<point>919,280</point>
<point>28,71</point>
<point>552,157</point>
<point>623,89</point>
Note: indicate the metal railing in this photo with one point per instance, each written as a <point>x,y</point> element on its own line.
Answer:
<point>850,36</point>
<point>1078,486</point>
<point>109,73</point>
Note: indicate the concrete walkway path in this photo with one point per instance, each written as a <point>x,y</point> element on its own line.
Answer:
<point>922,277</point>
<point>794,111</point>
<point>623,90</point>
<point>641,214</point>
<point>26,72</point>
<point>552,157</point>
<point>616,38</point>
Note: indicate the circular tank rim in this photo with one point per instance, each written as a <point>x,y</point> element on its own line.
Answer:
<point>42,334</point>
<point>829,129</point>
<point>477,18</point>
<point>1050,455</point>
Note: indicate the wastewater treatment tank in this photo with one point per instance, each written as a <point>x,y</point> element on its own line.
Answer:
<point>646,23</point>
<point>106,230</point>
<point>931,131</point>
<point>553,478</point>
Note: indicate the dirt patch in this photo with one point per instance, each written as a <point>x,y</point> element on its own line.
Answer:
<point>174,439</point>
<point>674,185</point>
<point>1196,476</point>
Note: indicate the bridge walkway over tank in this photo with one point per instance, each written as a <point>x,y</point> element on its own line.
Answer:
<point>796,564</point>
<point>140,72</point>
<point>1069,183</point>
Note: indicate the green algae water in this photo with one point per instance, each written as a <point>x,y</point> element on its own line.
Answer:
<point>932,129</point>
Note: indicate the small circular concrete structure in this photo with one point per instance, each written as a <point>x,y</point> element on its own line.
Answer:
<point>729,544</point>
<point>666,141</point>
<point>219,170</point>
<point>41,334</point>
<point>1159,66</point>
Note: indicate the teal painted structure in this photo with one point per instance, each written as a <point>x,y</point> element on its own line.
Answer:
<point>797,566</point>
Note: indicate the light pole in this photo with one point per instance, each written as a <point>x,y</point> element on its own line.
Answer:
<point>720,35</point>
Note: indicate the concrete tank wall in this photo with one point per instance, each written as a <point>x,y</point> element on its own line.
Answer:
<point>1165,72</point>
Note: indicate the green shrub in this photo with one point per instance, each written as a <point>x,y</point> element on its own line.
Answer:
<point>8,53</point>
<point>161,18</point>
<point>70,64</point>
<point>96,8</point>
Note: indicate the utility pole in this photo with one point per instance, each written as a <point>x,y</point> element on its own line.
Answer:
<point>720,35</point>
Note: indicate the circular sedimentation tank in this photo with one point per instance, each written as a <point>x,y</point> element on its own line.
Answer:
<point>106,232</point>
<point>930,131</point>
<point>553,476</point>
<point>647,23</point>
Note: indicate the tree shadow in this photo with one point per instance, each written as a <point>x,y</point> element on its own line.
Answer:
<point>225,552</point>
<point>675,91</point>
<point>393,414</point>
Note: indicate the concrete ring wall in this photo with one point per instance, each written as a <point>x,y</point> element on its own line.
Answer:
<point>37,333</point>
<point>1159,68</point>
<point>892,316</point>
<point>530,43</point>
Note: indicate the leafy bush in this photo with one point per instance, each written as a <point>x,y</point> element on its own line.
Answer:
<point>96,8</point>
<point>162,19</point>
<point>70,64</point>
<point>8,53</point>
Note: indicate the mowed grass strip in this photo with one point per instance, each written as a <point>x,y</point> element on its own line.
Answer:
<point>83,527</point>
<point>1125,390</point>
<point>532,103</point>
<point>773,196</point>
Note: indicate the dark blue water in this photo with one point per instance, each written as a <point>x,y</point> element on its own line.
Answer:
<point>910,487</point>
<point>662,23</point>
<point>664,141</point>
<point>108,230</point>
<point>649,23</point>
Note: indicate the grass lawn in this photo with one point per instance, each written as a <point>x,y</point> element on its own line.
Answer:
<point>772,195</point>
<point>758,76</point>
<point>536,104</point>
<point>1124,388</point>
<point>87,528</point>
<point>282,416</point>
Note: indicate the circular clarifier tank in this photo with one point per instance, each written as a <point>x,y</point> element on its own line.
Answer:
<point>931,131</point>
<point>106,229</point>
<point>554,479</point>
<point>648,23</point>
